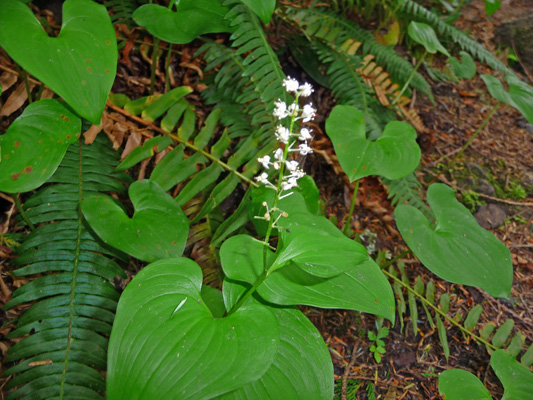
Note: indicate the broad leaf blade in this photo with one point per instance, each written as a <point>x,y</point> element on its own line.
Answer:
<point>457,384</point>
<point>263,9</point>
<point>393,155</point>
<point>426,36</point>
<point>166,344</point>
<point>79,65</point>
<point>458,249</point>
<point>192,19</point>
<point>35,144</point>
<point>158,229</point>
<point>519,96</point>
<point>517,380</point>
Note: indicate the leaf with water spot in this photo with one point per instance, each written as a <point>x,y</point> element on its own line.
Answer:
<point>79,65</point>
<point>34,145</point>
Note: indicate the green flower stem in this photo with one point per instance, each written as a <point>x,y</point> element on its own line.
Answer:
<point>478,130</point>
<point>267,271</point>
<point>439,311</point>
<point>404,88</point>
<point>347,223</point>
<point>22,212</point>
<point>40,92</point>
<point>155,58</point>
<point>184,142</point>
<point>249,292</point>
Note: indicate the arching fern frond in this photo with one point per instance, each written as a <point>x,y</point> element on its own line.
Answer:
<point>407,191</point>
<point>413,10</point>
<point>318,22</point>
<point>75,303</point>
<point>122,10</point>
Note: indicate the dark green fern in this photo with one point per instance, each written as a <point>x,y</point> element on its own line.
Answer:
<point>74,301</point>
<point>315,21</point>
<point>122,10</point>
<point>413,10</point>
<point>407,191</point>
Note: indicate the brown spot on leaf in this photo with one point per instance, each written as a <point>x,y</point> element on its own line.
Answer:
<point>69,136</point>
<point>174,243</point>
<point>88,60</point>
<point>107,71</point>
<point>16,144</point>
<point>158,246</point>
<point>6,156</point>
<point>89,69</point>
<point>40,141</point>
<point>107,42</point>
<point>83,82</point>
<point>15,176</point>
<point>64,117</point>
<point>365,167</point>
<point>28,169</point>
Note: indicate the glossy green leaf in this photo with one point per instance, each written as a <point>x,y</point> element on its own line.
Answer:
<point>519,96</point>
<point>157,230</point>
<point>35,144</point>
<point>393,155</point>
<point>79,65</point>
<point>263,9</point>
<point>165,342</point>
<point>302,368</point>
<point>517,380</point>
<point>426,36</point>
<point>363,288</point>
<point>457,249</point>
<point>466,69</point>
<point>457,384</point>
<point>192,19</point>
<point>491,6</point>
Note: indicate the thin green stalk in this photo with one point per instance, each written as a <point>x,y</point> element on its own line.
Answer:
<point>22,212</point>
<point>439,311</point>
<point>248,293</point>
<point>347,223</point>
<point>24,75</point>
<point>155,58</point>
<point>390,262</point>
<point>477,132</point>
<point>406,85</point>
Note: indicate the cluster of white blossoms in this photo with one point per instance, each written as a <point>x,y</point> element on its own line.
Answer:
<point>289,170</point>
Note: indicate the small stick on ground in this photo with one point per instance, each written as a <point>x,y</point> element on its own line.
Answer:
<point>347,370</point>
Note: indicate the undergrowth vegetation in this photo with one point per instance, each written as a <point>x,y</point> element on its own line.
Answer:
<point>218,205</point>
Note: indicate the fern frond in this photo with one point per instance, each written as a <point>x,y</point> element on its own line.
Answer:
<point>407,191</point>
<point>122,11</point>
<point>319,22</point>
<point>413,10</point>
<point>75,302</point>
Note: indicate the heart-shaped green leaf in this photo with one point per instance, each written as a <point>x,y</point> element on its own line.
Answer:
<point>517,380</point>
<point>79,65</point>
<point>457,249</point>
<point>302,368</point>
<point>465,69</point>
<point>263,9</point>
<point>158,229</point>
<point>166,344</point>
<point>425,35</point>
<point>393,155</point>
<point>520,95</point>
<point>35,144</point>
<point>192,19</point>
<point>363,287</point>
<point>458,384</point>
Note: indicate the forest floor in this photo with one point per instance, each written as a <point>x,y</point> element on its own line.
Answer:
<point>498,166</point>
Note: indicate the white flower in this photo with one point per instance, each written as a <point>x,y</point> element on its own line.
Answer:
<point>304,149</point>
<point>263,178</point>
<point>305,90</point>
<point>278,154</point>
<point>281,109</point>
<point>288,184</point>
<point>291,84</point>
<point>292,165</point>
<point>265,161</point>
<point>282,134</point>
<point>305,134</point>
<point>275,164</point>
<point>308,113</point>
